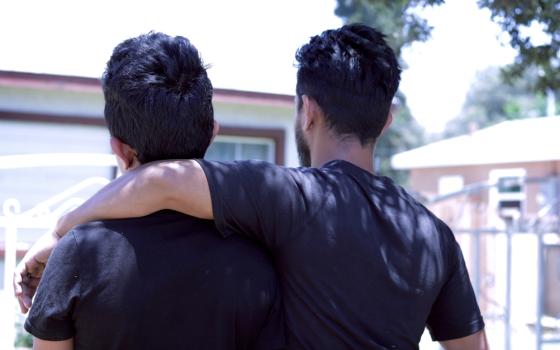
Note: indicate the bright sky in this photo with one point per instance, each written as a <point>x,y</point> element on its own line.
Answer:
<point>464,40</point>
<point>249,43</point>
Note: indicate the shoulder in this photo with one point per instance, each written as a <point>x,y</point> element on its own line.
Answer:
<point>436,233</point>
<point>276,179</point>
<point>93,230</point>
<point>164,221</point>
<point>256,168</point>
<point>410,206</point>
<point>97,237</point>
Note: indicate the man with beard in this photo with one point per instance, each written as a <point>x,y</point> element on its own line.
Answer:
<point>108,284</point>
<point>362,264</point>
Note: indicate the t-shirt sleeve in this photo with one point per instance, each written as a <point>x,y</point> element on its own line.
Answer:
<point>263,201</point>
<point>50,317</point>
<point>455,313</point>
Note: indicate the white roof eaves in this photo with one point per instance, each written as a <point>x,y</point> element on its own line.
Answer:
<point>404,164</point>
<point>522,141</point>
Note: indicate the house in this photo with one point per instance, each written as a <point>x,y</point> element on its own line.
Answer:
<point>504,178</point>
<point>252,123</point>
<point>518,156</point>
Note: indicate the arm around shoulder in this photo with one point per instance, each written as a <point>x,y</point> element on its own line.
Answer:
<point>179,185</point>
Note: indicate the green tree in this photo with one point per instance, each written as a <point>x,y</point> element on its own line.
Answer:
<point>489,101</point>
<point>395,18</point>
<point>405,133</point>
<point>516,17</point>
<point>403,26</point>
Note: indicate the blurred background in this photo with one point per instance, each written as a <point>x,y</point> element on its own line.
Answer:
<point>475,135</point>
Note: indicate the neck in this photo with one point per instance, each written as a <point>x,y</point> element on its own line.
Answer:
<point>347,149</point>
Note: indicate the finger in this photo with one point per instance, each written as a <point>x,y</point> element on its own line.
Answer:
<point>18,291</point>
<point>28,289</point>
<point>32,287</point>
<point>22,306</point>
<point>34,268</point>
<point>25,280</point>
<point>26,296</point>
<point>34,263</point>
<point>21,280</point>
<point>33,283</point>
<point>36,273</point>
<point>26,301</point>
<point>22,301</point>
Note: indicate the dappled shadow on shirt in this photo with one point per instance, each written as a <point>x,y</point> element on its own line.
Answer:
<point>362,263</point>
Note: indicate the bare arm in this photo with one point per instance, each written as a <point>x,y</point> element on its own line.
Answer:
<point>475,341</point>
<point>178,185</point>
<point>39,344</point>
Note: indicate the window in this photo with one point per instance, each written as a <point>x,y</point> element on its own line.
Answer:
<point>226,148</point>
<point>238,143</point>
<point>508,194</point>
<point>510,184</point>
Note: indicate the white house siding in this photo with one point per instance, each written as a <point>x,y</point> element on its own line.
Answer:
<point>32,185</point>
<point>54,102</point>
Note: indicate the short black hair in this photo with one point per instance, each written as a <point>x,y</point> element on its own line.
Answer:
<point>353,75</point>
<point>158,97</point>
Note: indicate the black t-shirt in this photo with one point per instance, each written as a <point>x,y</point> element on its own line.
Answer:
<point>362,264</point>
<point>165,281</point>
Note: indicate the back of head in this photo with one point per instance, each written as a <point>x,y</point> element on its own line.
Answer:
<point>158,98</point>
<point>353,75</point>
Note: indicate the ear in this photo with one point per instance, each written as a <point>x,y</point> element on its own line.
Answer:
<point>311,113</point>
<point>215,131</point>
<point>125,154</point>
<point>388,122</point>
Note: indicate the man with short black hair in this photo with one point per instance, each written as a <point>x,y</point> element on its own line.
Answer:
<point>363,265</point>
<point>167,280</point>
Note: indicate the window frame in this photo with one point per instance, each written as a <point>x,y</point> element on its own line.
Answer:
<point>276,135</point>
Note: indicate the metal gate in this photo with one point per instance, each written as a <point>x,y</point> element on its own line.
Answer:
<point>521,247</point>
<point>41,216</point>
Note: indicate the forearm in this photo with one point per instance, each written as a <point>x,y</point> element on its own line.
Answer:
<point>176,185</point>
<point>39,344</point>
<point>475,341</point>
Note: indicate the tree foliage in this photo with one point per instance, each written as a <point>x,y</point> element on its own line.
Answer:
<point>395,18</point>
<point>519,18</point>
<point>405,133</point>
<point>489,101</point>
